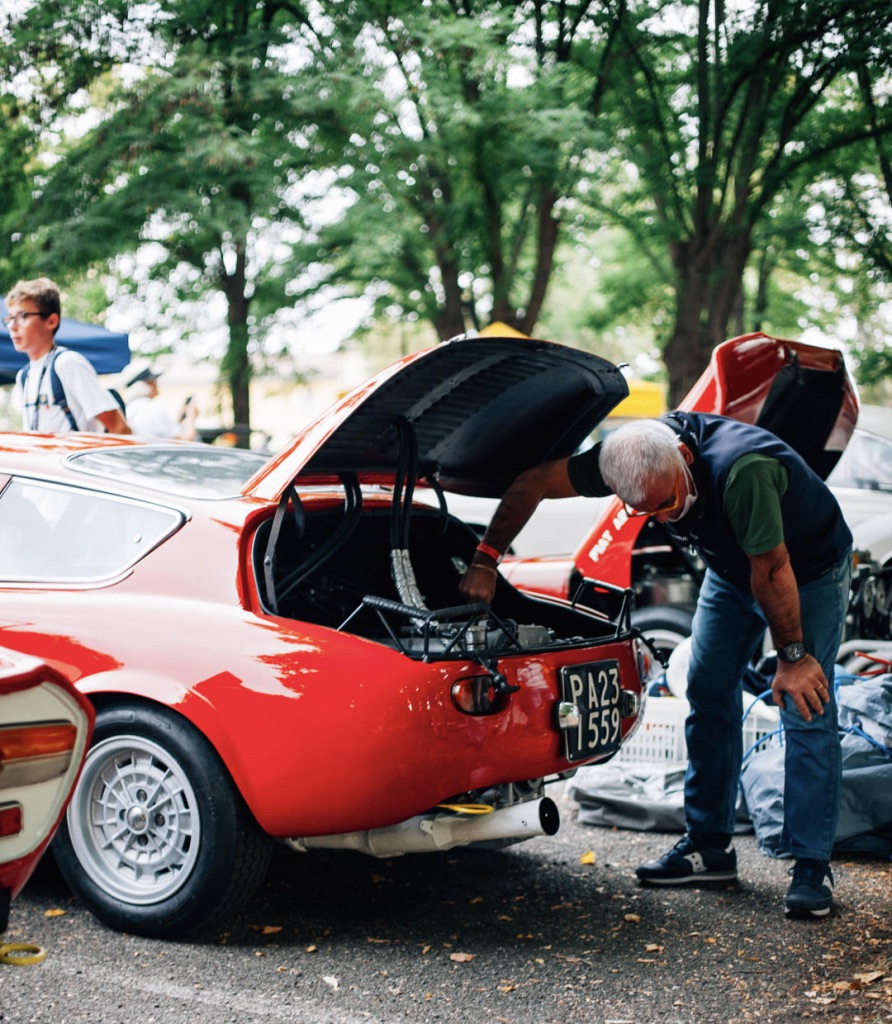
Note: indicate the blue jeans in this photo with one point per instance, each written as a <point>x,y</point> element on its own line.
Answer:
<point>727,626</point>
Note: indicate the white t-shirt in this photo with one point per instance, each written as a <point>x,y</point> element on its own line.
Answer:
<point>149,419</point>
<point>84,393</point>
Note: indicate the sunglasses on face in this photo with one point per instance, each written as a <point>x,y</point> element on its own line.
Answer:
<point>670,505</point>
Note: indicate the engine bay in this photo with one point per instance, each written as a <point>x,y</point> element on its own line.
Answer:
<point>390,573</point>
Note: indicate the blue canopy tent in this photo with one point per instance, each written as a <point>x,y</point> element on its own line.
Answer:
<point>108,352</point>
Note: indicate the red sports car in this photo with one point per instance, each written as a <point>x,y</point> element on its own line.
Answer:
<point>277,649</point>
<point>44,730</point>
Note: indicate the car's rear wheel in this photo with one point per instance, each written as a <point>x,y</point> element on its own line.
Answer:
<point>157,841</point>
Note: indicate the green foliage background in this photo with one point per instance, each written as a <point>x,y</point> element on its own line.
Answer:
<point>638,177</point>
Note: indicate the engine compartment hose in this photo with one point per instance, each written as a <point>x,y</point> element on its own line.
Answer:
<point>21,954</point>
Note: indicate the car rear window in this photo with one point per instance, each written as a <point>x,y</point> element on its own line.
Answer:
<point>201,471</point>
<point>54,533</point>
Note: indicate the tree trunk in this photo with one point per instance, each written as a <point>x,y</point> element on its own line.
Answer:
<point>236,367</point>
<point>450,319</point>
<point>709,284</point>
<point>547,240</point>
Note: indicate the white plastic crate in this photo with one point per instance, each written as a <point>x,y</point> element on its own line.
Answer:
<point>660,740</point>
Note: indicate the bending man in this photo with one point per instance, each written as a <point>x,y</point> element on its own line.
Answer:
<point>778,553</point>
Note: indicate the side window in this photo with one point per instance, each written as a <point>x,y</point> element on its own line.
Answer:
<point>55,533</point>
<point>866,463</point>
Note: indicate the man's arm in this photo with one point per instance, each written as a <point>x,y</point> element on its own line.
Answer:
<point>114,422</point>
<point>775,589</point>
<point>520,501</point>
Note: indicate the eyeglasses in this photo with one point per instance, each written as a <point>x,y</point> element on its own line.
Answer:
<point>20,318</point>
<point>672,504</point>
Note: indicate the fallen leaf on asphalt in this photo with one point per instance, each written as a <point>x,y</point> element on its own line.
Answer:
<point>270,929</point>
<point>652,947</point>
<point>462,958</point>
<point>588,857</point>
<point>631,918</point>
<point>380,942</point>
<point>310,949</point>
<point>331,981</point>
<point>869,977</point>
<point>507,988</point>
<point>55,913</point>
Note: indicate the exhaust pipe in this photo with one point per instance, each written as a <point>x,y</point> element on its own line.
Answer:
<point>428,833</point>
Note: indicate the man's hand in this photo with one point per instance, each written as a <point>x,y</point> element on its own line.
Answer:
<point>806,685</point>
<point>478,584</point>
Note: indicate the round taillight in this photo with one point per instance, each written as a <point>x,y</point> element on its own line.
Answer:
<point>477,695</point>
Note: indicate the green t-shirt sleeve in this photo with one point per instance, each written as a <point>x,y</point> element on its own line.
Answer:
<point>752,502</point>
<point>584,471</point>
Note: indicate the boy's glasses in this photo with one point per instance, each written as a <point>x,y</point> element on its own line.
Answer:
<point>20,318</point>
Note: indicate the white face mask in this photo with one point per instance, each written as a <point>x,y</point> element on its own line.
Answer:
<point>689,500</point>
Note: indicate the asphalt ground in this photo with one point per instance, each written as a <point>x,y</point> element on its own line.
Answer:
<point>553,930</point>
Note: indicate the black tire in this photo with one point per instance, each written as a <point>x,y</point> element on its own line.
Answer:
<point>157,840</point>
<point>665,626</point>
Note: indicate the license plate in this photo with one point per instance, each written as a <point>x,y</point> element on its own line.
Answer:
<point>595,690</point>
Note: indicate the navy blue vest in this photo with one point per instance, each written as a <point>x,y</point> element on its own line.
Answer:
<point>815,533</point>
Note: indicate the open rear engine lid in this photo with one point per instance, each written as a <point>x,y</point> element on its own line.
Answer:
<point>481,409</point>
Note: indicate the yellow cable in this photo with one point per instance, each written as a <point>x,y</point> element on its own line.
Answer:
<point>20,954</point>
<point>468,808</point>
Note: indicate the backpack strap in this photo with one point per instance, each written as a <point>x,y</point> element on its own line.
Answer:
<point>58,391</point>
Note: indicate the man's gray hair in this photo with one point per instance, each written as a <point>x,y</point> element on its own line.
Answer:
<point>636,454</point>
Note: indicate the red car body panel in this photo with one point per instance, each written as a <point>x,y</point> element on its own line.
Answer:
<point>297,711</point>
<point>270,685</point>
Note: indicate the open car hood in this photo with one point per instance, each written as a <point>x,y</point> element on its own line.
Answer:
<point>480,410</point>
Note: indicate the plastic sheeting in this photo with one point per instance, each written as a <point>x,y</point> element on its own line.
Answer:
<point>865,812</point>
<point>646,799</point>
<point>651,798</point>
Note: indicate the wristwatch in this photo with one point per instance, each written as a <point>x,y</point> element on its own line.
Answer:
<point>791,653</point>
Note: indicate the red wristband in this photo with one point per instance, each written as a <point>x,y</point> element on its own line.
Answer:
<point>485,549</point>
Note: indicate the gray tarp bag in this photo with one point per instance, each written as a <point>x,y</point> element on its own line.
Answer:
<point>647,798</point>
<point>865,813</point>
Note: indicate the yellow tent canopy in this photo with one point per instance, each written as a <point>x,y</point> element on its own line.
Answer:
<point>646,398</point>
<point>499,330</point>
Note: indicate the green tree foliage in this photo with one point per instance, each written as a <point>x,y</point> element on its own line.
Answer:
<point>725,110</point>
<point>437,155</point>
<point>457,133</point>
<point>195,149</point>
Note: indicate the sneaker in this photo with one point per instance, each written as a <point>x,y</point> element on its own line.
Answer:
<point>811,891</point>
<point>686,863</point>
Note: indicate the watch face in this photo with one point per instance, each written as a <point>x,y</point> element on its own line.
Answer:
<point>792,652</point>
